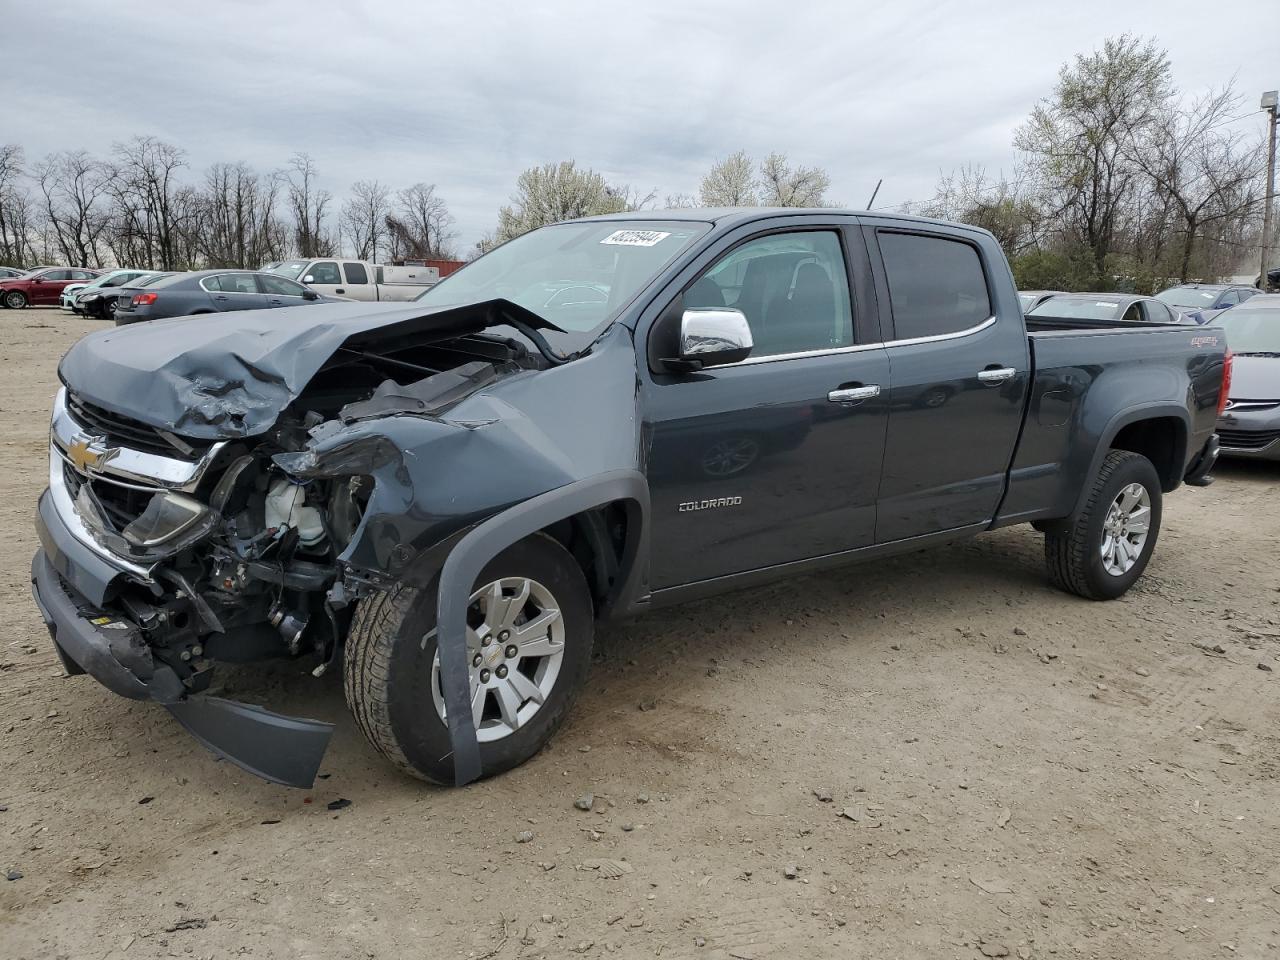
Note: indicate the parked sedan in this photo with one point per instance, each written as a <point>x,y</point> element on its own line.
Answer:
<point>12,273</point>
<point>73,292</point>
<point>1030,299</point>
<point>1204,301</point>
<point>1108,306</point>
<point>212,291</point>
<point>41,287</point>
<point>1250,422</point>
<point>97,298</point>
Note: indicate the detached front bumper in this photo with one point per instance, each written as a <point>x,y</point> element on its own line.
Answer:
<point>71,583</point>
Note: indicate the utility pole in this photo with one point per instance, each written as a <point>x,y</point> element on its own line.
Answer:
<point>1269,105</point>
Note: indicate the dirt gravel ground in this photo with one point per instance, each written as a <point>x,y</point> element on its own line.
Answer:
<point>936,756</point>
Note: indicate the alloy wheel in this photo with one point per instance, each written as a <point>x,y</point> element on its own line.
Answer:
<point>515,648</point>
<point>1125,529</point>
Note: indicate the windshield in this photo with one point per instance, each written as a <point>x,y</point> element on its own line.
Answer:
<point>1077,308</point>
<point>576,275</point>
<point>289,268</point>
<point>1189,297</point>
<point>1251,331</point>
<point>148,281</point>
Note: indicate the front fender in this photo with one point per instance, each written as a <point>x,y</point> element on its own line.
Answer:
<point>480,545</point>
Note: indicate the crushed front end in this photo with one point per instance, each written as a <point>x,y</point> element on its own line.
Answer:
<point>162,555</point>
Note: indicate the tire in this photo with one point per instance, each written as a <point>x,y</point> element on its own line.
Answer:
<point>107,312</point>
<point>15,299</point>
<point>1074,551</point>
<point>390,682</point>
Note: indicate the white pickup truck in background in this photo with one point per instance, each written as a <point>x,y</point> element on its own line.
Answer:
<point>357,279</point>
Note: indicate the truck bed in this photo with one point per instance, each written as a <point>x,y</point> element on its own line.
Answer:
<point>1085,374</point>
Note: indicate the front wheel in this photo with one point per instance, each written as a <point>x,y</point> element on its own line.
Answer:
<point>529,633</point>
<point>1102,551</point>
<point>15,299</point>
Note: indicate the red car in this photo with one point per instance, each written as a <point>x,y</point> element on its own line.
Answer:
<point>41,287</point>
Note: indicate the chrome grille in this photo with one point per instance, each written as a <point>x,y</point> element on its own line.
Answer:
<point>125,431</point>
<point>120,504</point>
<point>1247,439</point>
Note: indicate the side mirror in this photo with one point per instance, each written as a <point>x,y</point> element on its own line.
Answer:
<point>310,295</point>
<point>712,336</point>
<point>308,279</point>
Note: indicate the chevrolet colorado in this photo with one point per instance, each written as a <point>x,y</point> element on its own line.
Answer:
<point>442,499</point>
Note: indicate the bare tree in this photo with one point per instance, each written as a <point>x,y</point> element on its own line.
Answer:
<point>150,205</point>
<point>731,182</point>
<point>15,207</point>
<point>308,204</point>
<point>421,226</point>
<point>1206,174</point>
<point>72,184</point>
<point>783,186</point>
<point>1006,207</point>
<point>364,218</point>
<point>239,226</point>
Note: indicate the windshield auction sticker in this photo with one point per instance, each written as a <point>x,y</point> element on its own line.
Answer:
<point>636,238</point>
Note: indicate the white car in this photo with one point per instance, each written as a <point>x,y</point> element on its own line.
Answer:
<point>72,292</point>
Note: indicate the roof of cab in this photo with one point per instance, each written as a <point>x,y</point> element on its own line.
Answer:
<point>734,215</point>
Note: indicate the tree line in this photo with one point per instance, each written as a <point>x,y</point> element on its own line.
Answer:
<point>139,206</point>
<point>1120,180</point>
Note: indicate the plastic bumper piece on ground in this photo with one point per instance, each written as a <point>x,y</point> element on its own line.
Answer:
<point>286,750</point>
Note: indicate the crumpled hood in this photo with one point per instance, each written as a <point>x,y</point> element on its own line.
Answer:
<point>220,376</point>
<point>1255,378</point>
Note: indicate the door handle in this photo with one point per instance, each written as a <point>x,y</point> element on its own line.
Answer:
<point>854,394</point>
<point>339,291</point>
<point>994,375</point>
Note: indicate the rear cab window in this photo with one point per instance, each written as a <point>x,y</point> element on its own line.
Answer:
<point>937,285</point>
<point>356,273</point>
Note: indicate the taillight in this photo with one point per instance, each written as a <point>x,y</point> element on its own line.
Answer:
<point>142,299</point>
<point>1227,362</point>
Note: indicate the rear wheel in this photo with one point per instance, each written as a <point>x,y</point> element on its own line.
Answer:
<point>1101,552</point>
<point>529,635</point>
<point>15,299</point>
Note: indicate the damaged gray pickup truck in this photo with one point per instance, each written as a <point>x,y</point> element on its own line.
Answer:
<point>442,498</point>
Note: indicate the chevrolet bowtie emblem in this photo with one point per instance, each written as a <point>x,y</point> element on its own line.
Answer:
<point>89,453</point>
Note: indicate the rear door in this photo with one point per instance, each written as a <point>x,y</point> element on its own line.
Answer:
<point>776,458</point>
<point>234,291</point>
<point>280,292</point>
<point>358,285</point>
<point>960,366</point>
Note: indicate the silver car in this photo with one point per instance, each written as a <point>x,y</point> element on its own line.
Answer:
<point>1250,423</point>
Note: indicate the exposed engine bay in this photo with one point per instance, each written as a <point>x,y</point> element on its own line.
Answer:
<point>238,556</point>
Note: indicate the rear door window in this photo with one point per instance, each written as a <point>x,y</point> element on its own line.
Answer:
<point>356,273</point>
<point>279,286</point>
<point>936,285</point>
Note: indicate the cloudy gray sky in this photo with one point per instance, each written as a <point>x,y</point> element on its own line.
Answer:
<point>649,92</point>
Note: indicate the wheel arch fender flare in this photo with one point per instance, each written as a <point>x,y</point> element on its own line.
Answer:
<point>484,542</point>
<point>1125,418</point>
